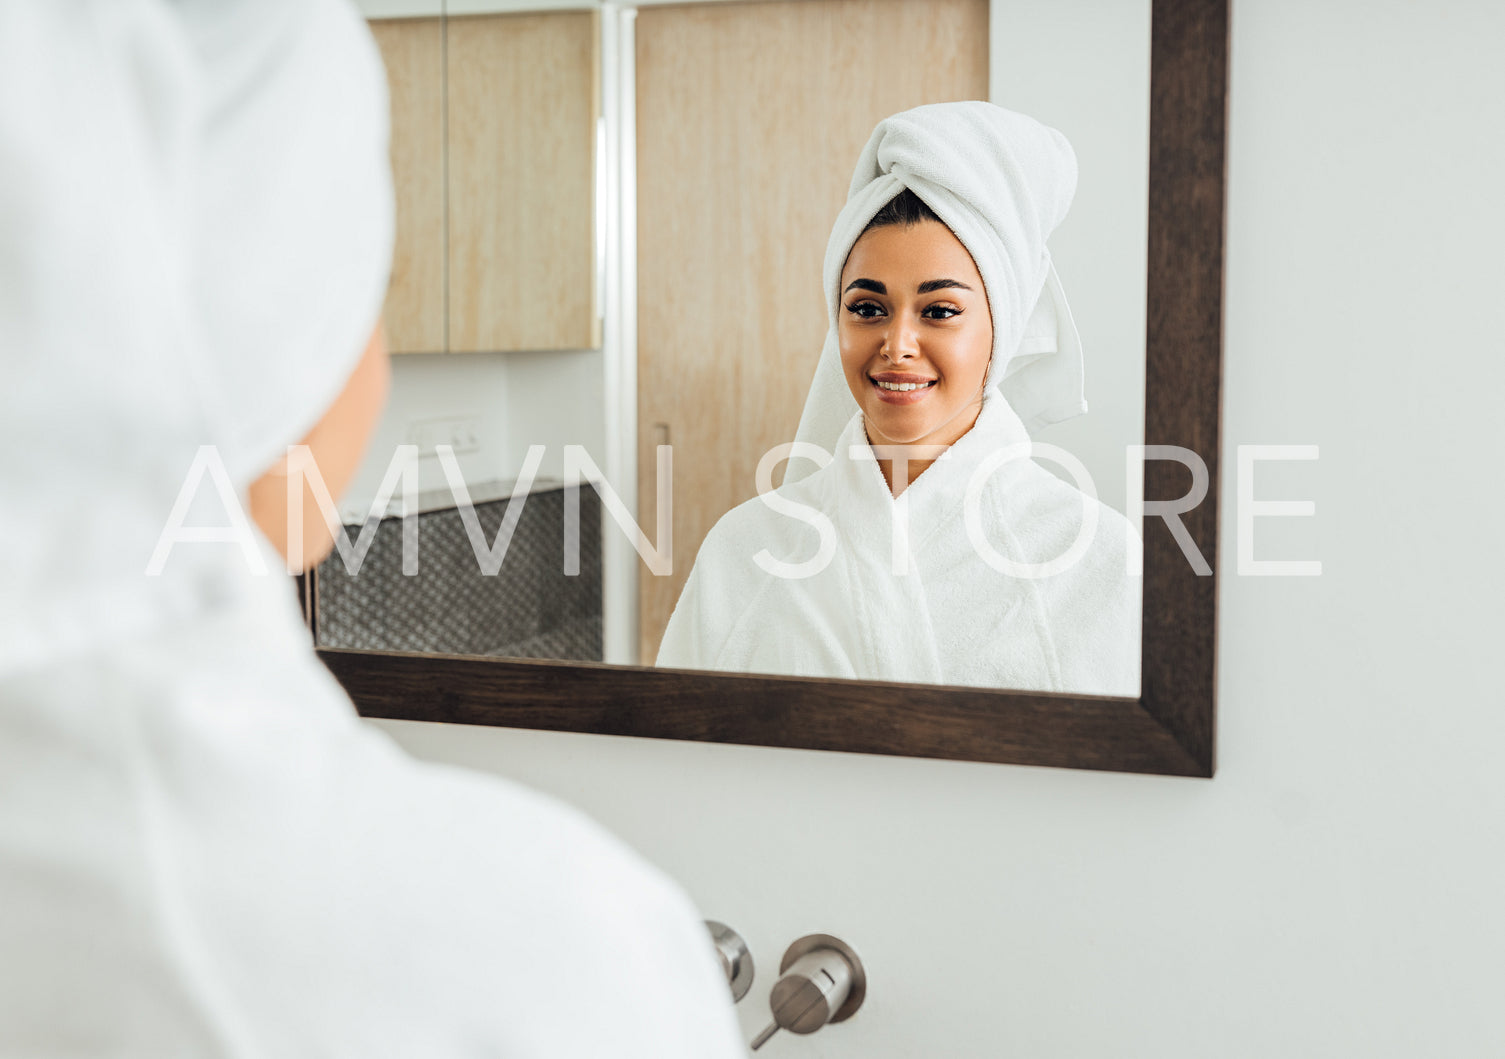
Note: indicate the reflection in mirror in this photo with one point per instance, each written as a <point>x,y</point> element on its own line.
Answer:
<point>749,117</point>
<point>492,579</point>
<point>751,171</point>
<point>495,128</point>
<point>934,549</point>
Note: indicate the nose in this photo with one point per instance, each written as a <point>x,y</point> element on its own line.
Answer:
<point>901,340</point>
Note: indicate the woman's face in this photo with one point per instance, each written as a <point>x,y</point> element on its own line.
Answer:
<point>915,334</point>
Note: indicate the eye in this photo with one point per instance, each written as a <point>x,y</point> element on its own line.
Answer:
<point>941,312</point>
<point>865,310</point>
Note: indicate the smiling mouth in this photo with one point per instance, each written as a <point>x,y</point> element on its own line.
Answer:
<point>897,388</point>
<point>894,382</point>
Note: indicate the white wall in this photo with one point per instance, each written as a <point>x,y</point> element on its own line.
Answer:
<point>427,388</point>
<point>515,400</point>
<point>1083,66</point>
<point>1336,890</point>
<point>555,399</point>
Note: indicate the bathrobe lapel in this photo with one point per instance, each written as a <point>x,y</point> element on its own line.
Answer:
<point>895,628</point>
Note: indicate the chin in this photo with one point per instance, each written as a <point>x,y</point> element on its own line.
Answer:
<point>900,428</point>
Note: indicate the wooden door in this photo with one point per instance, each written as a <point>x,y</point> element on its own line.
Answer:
<point>413,50</point>
<point>750,118</point>
<point>523,101</point>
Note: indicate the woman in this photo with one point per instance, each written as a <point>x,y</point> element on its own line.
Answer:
<point>203,851</point>
<point>927,546</point>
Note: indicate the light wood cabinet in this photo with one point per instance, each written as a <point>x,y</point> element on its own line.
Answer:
<point>750,118</point>
<point>494,123</point>
<point>523,92</point>
<point>413,50</point>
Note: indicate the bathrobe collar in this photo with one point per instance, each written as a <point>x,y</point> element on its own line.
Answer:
<point>936,498</point>
<point>883,537</point>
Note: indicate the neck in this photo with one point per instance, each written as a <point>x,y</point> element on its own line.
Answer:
<point>902,462</point>
<point>912,469</point>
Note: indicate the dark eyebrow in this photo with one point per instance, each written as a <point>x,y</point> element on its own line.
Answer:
<point>867,284</point>
<point>941,284</point>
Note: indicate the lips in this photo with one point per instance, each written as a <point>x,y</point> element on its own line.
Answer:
<point>900,377</point>
<point>901,387</point>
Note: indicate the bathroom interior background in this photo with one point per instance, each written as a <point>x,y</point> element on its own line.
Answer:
<point>1334,890</point>
<point>1044,59</point>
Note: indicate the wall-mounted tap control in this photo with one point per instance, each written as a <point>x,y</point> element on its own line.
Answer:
<point>821,980</point>
<point>736,961</point>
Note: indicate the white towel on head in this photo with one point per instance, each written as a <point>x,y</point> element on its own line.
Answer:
<point>197,247</point>
<point>1002,182</point>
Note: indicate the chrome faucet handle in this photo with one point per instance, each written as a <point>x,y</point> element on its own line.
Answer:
<point>736,960</point>
<point>821,981</point>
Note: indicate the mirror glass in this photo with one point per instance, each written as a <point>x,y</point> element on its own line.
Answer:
<point>748,118</point>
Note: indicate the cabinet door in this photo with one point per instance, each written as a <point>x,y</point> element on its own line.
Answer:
<point>750,118</point>
<point>522,112</point>
<point>413,50</point>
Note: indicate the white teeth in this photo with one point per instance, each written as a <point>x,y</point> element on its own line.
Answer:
<point>901,386</point>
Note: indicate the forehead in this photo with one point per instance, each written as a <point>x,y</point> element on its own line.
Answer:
<point>908,255</point>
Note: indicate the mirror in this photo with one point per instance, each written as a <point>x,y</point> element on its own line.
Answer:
<point>740,181</point>
<point>1166,728</point>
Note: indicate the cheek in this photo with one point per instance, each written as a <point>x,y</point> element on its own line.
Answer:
<point>978,352</point>
<point>853,354</point>
<point>964,358</point>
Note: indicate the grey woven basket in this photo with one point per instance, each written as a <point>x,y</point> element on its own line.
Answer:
<point>528,609</point>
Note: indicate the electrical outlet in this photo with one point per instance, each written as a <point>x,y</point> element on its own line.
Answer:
<point>458,432</point>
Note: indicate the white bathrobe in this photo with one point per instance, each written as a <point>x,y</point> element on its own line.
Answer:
<point>930,609</point>
<point>203,851</point>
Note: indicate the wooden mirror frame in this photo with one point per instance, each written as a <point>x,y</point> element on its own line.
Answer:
<point>1167,730</point>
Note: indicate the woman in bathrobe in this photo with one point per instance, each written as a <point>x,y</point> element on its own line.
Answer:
<point>926,545</point>
<point>203,850</point>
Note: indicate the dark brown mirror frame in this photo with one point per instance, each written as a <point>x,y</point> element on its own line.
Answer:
<point>1167,730</point>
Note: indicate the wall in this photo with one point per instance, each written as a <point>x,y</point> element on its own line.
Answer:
<point>427,388</point>
<point>515,400</point>
<point>1083,66</point>
<point>1335,891</point>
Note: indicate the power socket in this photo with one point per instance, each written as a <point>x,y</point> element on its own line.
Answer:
<point>458,432</point>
